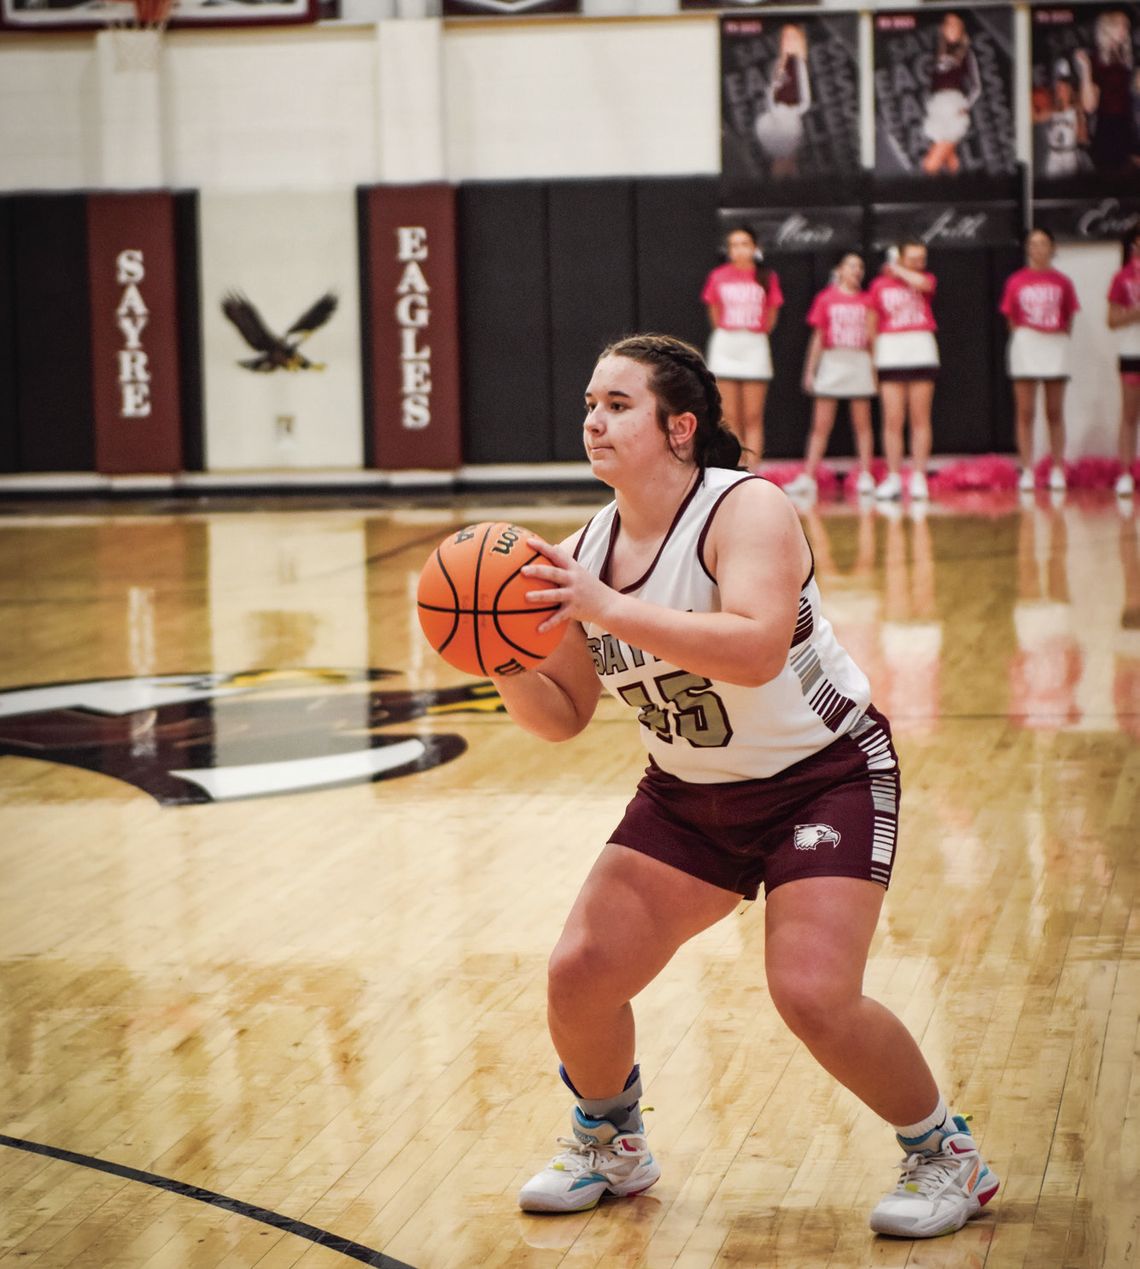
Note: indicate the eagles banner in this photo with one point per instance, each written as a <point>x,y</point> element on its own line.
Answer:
<point>281,330</point>
<point>1085,103</point>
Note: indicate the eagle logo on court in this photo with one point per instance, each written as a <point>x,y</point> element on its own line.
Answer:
<point>809,836</point>
<point>277,352</point>
<point>193,738</point>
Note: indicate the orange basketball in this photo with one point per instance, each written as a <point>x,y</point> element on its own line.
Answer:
<point>472,602</point>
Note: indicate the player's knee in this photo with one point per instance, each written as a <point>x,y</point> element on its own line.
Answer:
<point>812,1005</point>
<point>575,974</point>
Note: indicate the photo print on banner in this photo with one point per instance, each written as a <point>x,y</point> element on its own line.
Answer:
<point>507,8</point>
<point>1085,106</point>
<point>944,93</point>
<point>789,98</point>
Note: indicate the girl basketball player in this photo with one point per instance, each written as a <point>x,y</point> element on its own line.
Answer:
<point>1039,304</point>
<point>1106,93</point>
<point>838,368</point>
<point>692,598</point>
<point>955,85</point>
<point>906,358</point>
<point>1064,126</point>
<point>743,299</point>
<point>1124,317</point>
<point>780,128</point>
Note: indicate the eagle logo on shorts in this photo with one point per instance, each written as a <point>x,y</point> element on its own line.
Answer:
<point>809,836</point>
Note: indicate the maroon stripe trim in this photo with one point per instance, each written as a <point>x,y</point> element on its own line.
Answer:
<point>607,563</point>
<point>582,536</point>
<point>708,524</point>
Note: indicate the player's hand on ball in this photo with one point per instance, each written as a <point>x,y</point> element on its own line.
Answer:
<point>580,595</point>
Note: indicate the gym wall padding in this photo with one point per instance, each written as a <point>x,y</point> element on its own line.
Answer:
<point>54,417</point>
<point>593,290</point>
<point>189,328</point>
<point>9,433</point>
<point>504,318</point>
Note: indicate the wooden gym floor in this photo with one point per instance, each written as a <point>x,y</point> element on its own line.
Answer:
<point>260,1008</point>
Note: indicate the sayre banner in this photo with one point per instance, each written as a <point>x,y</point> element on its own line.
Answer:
<point>134,333</point>
<point>412,326</point>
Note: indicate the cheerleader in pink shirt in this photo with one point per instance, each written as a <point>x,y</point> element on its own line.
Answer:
<point>1124,318</point>
<point>1039,304</point>
<point>838,368</point>
<point>907,361</point>
<point>743,298</point>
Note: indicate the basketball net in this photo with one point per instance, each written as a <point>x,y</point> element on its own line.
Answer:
<point>137,38</point>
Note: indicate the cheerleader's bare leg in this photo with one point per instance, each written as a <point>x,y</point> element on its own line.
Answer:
<point>1055,417</point>
<point>823,420</point>
<point>861,425</point>
<point>1129,413</point>
<point>892,394</point>
<point>732,403</point>
<point>753,397</point>
<point>920,401</point>
<point>1025,410</point>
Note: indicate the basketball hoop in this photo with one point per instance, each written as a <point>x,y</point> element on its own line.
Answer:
<point>137,39</point>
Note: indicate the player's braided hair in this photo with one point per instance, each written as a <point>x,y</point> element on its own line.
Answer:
<point>683,384</point>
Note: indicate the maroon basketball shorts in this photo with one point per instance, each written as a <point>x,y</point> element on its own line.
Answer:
<point>834,814</point>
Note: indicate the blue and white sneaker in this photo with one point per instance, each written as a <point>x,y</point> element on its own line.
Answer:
<point>597,1160</point>
<point>937,1193</point>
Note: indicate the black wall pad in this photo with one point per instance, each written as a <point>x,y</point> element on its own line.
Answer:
<point>1002,262</point>
<point>965,310</point>
<point>677,239</point>
<point>593,292</point>
<point>9,428</point>
<point>788,413</point>
<point>54,411</point>
<point>186,240</point>
<point>504,315</point>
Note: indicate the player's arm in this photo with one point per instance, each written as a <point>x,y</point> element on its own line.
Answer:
<point>557,699</point>
<point>922,282</point>
<point>756,551</point>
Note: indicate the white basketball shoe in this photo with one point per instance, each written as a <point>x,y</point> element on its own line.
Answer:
<point>597,1160</point>
<point>937,1193</point>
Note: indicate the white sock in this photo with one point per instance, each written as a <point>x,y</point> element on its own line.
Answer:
<point>927,1133</point>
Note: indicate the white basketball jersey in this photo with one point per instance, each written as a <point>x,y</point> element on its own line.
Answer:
<point>707,731</point>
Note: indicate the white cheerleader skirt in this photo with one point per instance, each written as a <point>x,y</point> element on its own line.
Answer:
<point>740,354</point>
<point>1038,354</point>
<point>947,117</point>
<point>780,130</point>
<point>907,354</point>
<point>844,373</point>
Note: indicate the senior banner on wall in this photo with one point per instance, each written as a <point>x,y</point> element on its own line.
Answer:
<point>789,99</point>
<point>1085,105</point>
<point>944,93</point>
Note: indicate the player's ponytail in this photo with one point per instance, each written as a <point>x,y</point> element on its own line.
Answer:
<point>683,384</point>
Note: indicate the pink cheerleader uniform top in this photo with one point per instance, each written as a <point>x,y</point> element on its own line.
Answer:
<point>1042,299</point>
<point>741,301</point>
<point>841,318</point>
<point>901,307</point>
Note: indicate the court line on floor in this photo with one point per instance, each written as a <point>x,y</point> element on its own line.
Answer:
<point>322,1237</point>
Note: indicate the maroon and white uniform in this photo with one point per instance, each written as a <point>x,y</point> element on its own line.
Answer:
<point>738,347</point>
<point>844,369</point>
<point>1039,304</point>
<point>955,85</point>
<point>1124,291</point>
<point>905,346</point>
<point>794,778</point>
<point>780,128</point>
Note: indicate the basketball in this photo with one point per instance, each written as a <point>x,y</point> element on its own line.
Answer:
<point>472,602</point>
